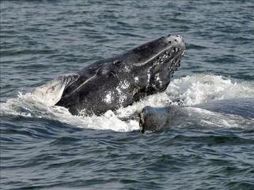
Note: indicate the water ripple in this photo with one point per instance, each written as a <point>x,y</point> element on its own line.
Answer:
<point>43,148</point>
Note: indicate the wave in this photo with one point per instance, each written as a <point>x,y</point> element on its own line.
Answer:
<point>188,91</point>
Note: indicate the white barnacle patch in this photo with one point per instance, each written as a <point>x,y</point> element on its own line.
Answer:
<point>118,89</point>
<point>122,97</point>
<point>124,84</point>
<point>157,77</point>
<point>108,98</point>
<point>136,79</point>
<point>126,69</point>
<point>148,76</point>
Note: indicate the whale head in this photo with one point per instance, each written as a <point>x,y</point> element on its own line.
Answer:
<point>123,79</point>
<point>153,119</point>
<point>152,64</point>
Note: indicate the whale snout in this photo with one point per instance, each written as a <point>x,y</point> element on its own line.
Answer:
<point>176,41</point>
<point>152,119</point>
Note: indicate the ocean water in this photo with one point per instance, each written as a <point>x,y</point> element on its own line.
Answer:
<point>45,147</point>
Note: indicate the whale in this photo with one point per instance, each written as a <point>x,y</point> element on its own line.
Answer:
<point>118,81</point>
<point>159,118</point>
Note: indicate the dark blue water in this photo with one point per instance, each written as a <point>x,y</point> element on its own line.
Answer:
<point>47,148</point>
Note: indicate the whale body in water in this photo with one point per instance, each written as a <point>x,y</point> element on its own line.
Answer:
<point>158,118</point>
<point>118,81</point>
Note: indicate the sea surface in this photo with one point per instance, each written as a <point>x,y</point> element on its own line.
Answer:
<point>45,147</point>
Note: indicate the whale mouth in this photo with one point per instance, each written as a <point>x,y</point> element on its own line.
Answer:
<point>163,50</point>
<point>161,66</point>
<point>169,58</point>
<point>172,55</point>
<point>166,63</point>
<point>174,51</point>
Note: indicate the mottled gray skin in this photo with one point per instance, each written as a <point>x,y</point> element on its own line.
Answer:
<point>157,118</point>
<point>119,81</point>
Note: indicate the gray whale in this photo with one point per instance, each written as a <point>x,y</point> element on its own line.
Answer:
<point>121,80</point>
<point>157,118</point>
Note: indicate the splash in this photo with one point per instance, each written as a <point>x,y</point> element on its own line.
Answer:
<point>51,92</point>
<point>192,90</point>
<point>189,90</point>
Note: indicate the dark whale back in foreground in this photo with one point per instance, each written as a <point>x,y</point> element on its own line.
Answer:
<point>119,81</point>
<point>157,118</point>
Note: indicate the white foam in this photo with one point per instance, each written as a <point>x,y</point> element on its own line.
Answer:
<point>198,89</point>
<point>26,105</point>
<point>51,92</point>
<point>190,90</point>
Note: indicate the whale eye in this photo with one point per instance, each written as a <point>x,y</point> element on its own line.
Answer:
<point>113,74</point>
<point>116,62</point>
